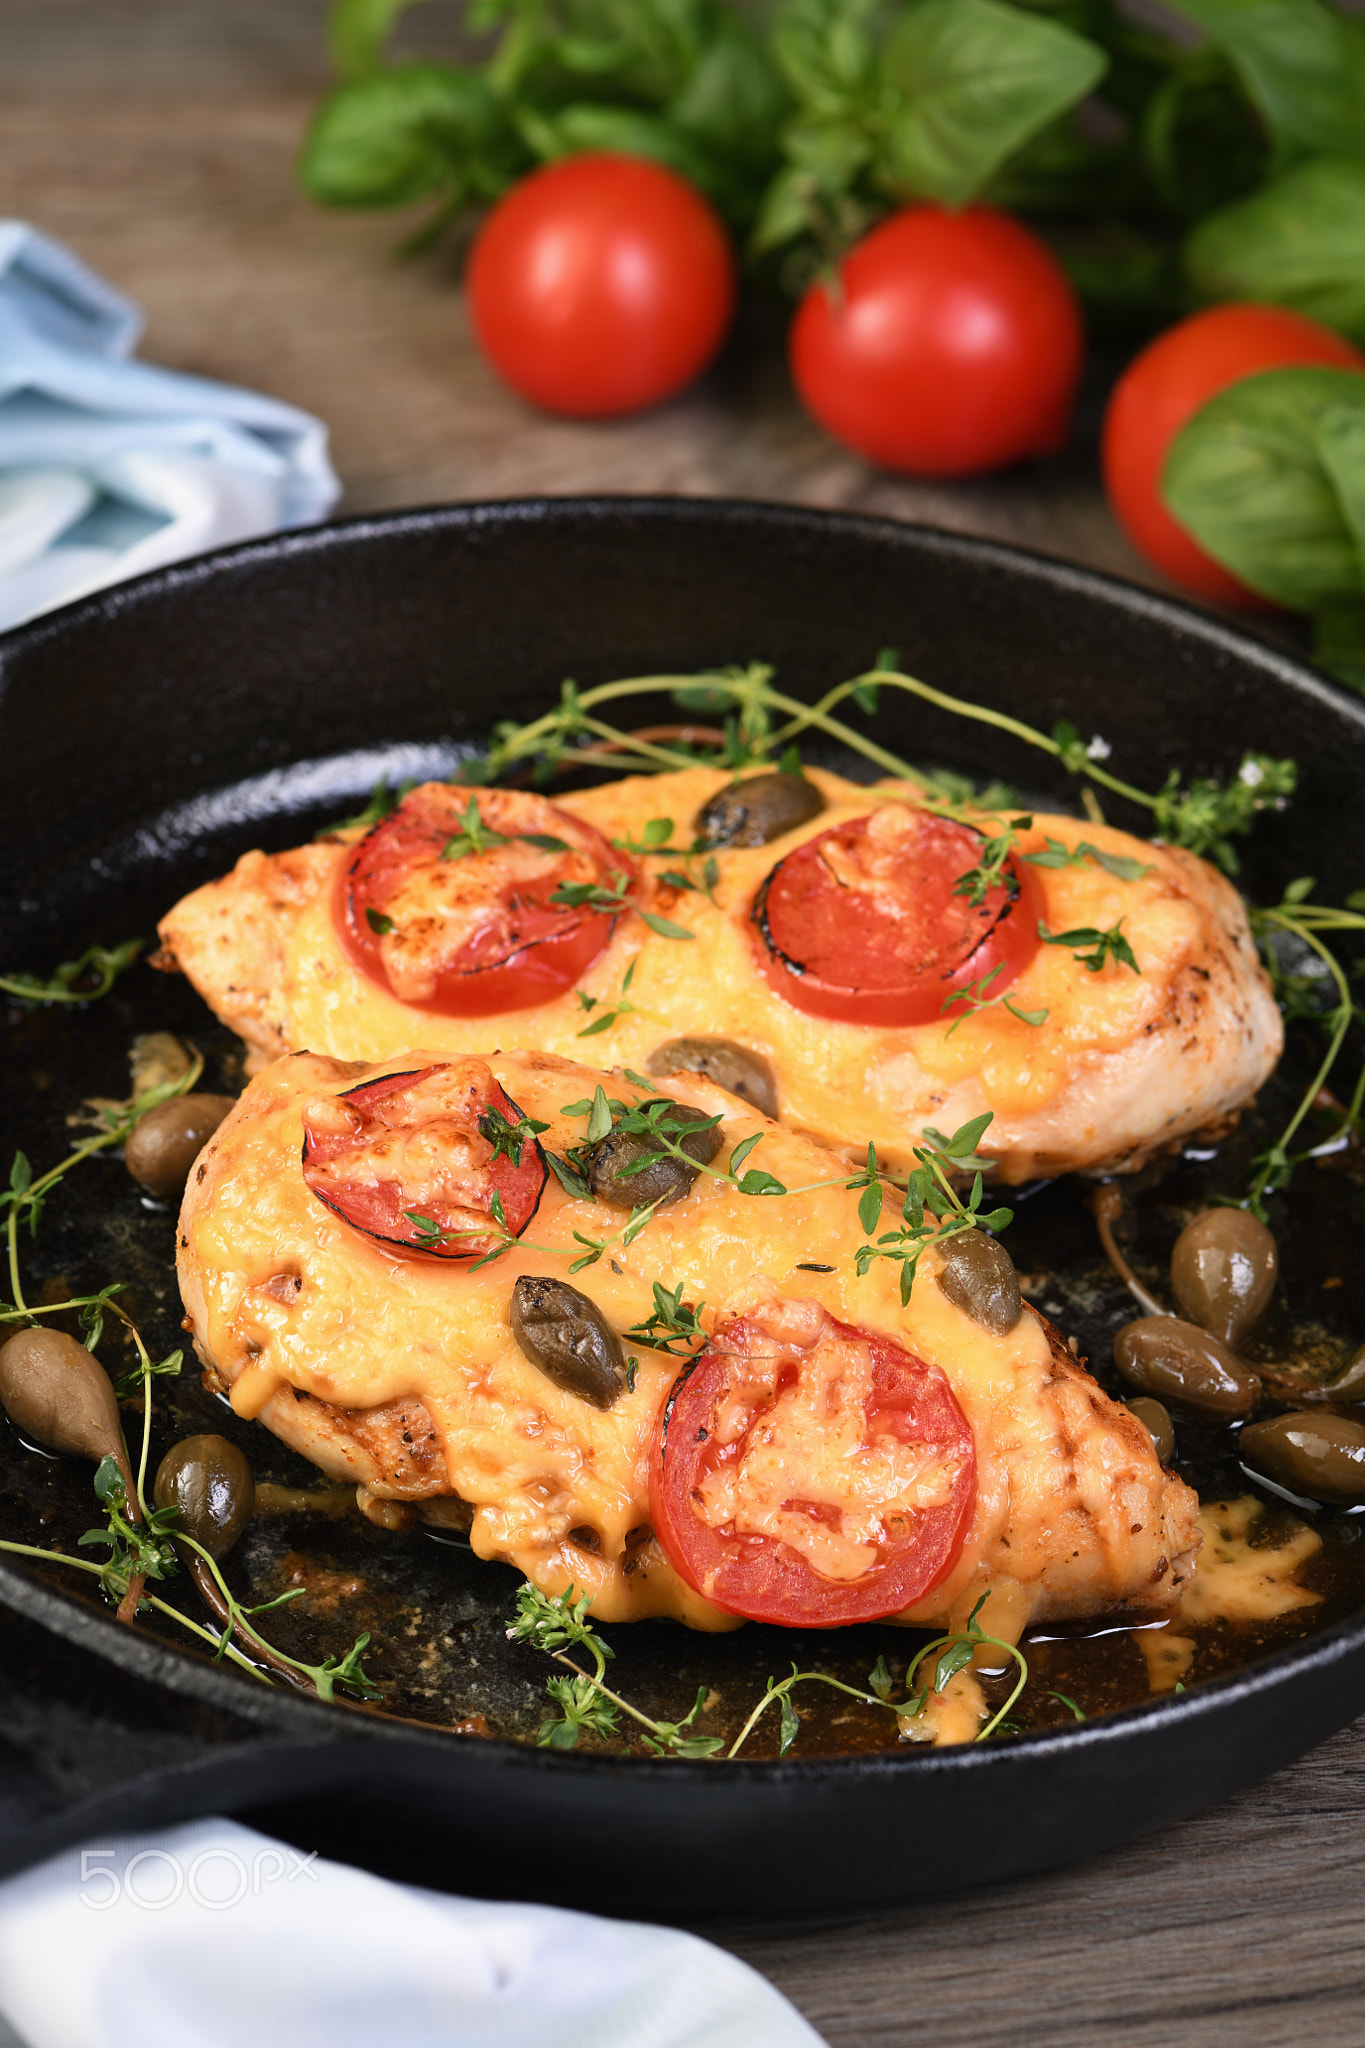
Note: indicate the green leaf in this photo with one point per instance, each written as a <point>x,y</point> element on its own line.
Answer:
<point>599,1122</point>
<point>1298,242</point>
<point>400,135</point>
<point>756,1182</point>
<point>665,927</point>
<point>587,126</point>
<point>357,31</point>
<point>870,1207</point>
<point>1269,477</point>
<point>1302,65</point>
<point>784,213</point>
<point>109,1482</point>
<point>732,108</point>
<point>979,78</point>
<point>742,1150</point>
<point>952,1660</point>
<point>791,1724</point>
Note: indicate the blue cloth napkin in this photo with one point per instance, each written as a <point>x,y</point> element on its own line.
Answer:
<point>109,466</point>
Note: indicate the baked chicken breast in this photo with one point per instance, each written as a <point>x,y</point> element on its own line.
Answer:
<point>463,1285</point>
<point>849,961</point>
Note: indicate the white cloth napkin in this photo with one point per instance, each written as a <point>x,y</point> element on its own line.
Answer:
<point>212,1936</point>
<point>108,466</point>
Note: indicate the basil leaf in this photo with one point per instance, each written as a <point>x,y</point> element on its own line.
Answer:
<point>1302,65</point>
<point>826,52</point>
<point>733,104</point>
<point>978,78</point>
<point>1298,242</point>
<point>585,126</point>
<point>401,134</point>
<point>1269,477</point>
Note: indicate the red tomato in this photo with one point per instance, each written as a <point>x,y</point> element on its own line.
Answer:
<point>415,1160</point>
<point>1166,385</point>
<point>600,285</point>
<point>952,344</point>
<point>811,1483</point>
<point>468,925</point>
<point>862,923</point>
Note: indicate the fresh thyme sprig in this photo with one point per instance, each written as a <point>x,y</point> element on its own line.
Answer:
<point>612,1008</point>
<point>939,1159</point>
<point>975,997</point>
<point>991,871</point>
<point>24,1198</point>
<point>1094,948</point>
<point>672,1325</point>
<point>654,843</point>
<point>1203,816</point>
<point>137,1537</point>
<point>75,981</point>
<point>476,837</point>
<point>507,1137</point>
<point>1304,921</point>
<point>555,1623</point>
<point>592,1249</point>
<point>1053,854</point>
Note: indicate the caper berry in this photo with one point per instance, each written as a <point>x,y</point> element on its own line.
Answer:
<point>1223,1270</point>
<point>666,1177</point>
<point>166,1142</point>
<point>754,812</point>
<point>1320,1455</point>
<point>1178,1362</point>
<point>978,1277</point>
<point>735,1068</point>
<point>568,1338</point>
<point>59,1396</point>
<point>209,1480</point>
<point>1156,1420</point>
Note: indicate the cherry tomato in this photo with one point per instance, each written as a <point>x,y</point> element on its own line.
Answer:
<point>811,1477</point>
<point>1166,385</point>
<point>600,285</point>
<point>862,923</point>
<point>416,1160</point>
<point>469,922</point>
<point>953,344</point>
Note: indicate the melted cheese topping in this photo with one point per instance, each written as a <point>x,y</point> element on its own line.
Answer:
<point>1094,1083</point>
<point>1242,1581</point>
<point>809,1450</point>
<point>1072,1514</point>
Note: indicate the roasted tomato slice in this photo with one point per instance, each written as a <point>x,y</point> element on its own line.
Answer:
<point>470,904</point>
<point>861,922</point>
<point>415,1160</point>
<point>811,1474</point>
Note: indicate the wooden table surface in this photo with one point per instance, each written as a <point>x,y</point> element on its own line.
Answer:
<point>156,136</point>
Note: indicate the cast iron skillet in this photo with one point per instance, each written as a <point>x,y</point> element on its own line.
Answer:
<point>150,735</point>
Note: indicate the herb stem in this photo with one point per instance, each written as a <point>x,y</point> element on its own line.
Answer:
<point>1306,929</point>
